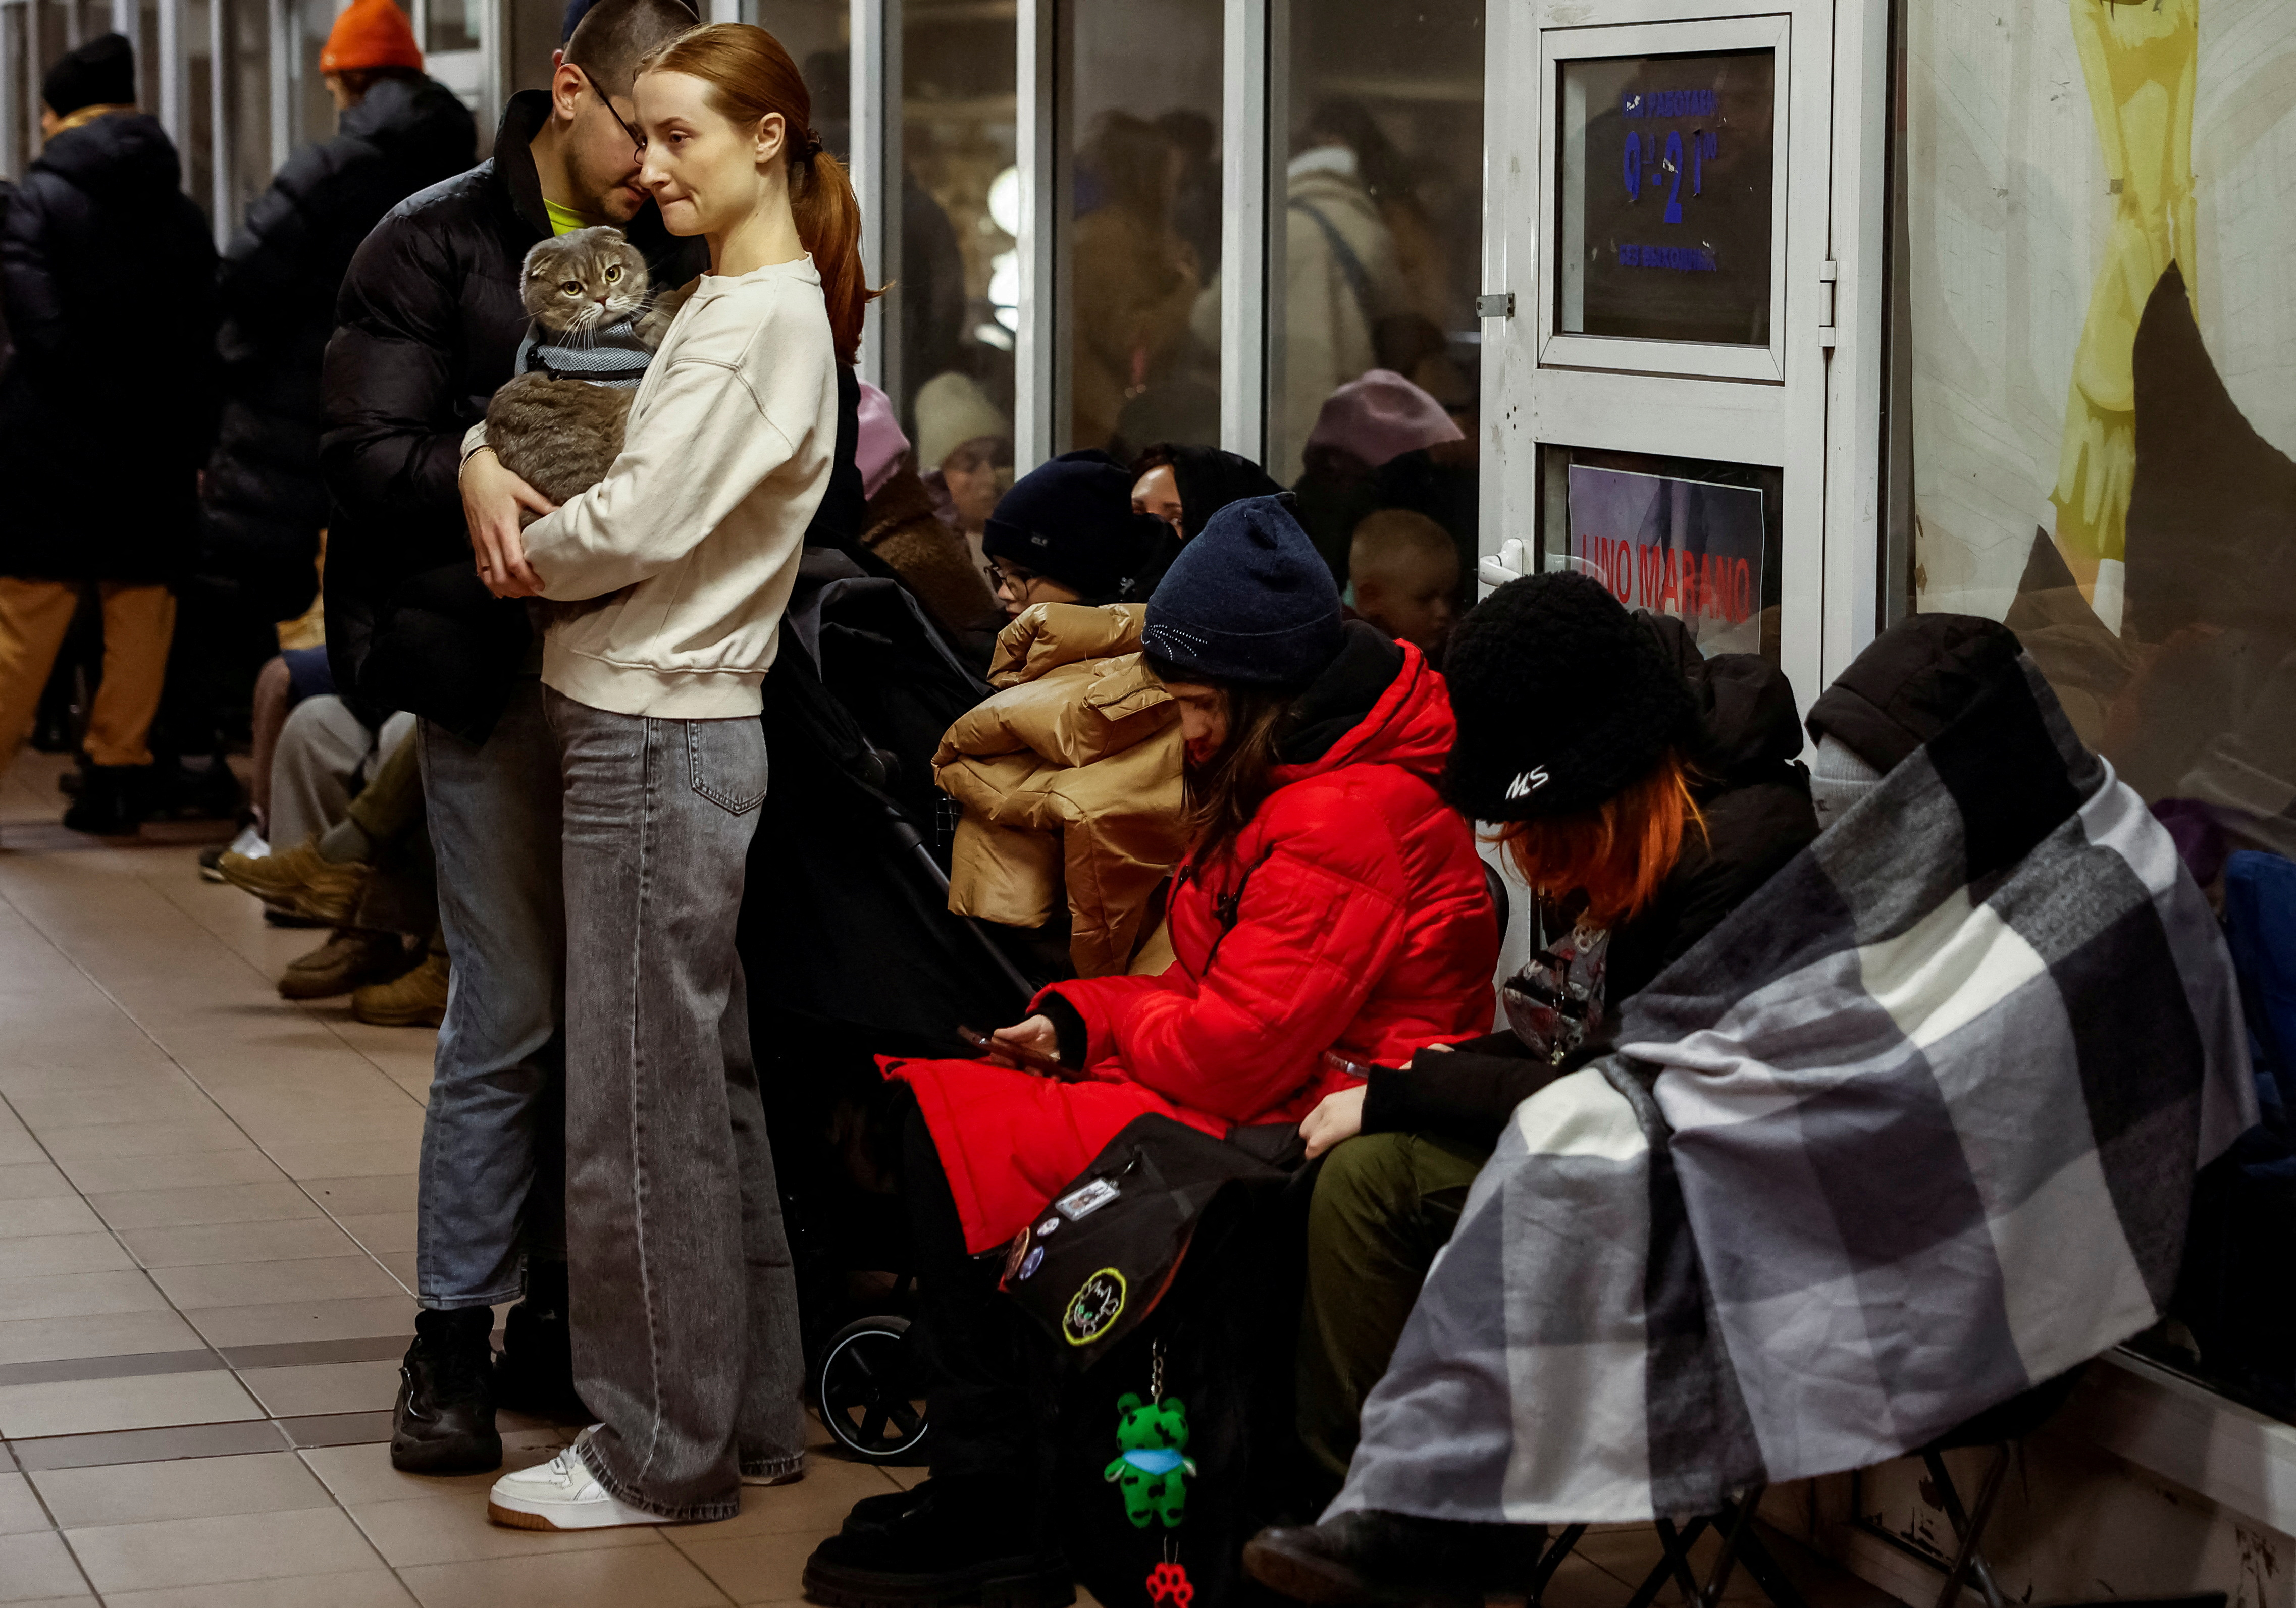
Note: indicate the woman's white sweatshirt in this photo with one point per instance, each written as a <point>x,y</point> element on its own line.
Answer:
<point>671,575</point>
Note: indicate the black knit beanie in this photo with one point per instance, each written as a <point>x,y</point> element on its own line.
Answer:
<point>1562,698</point>
<point>1247,601</point>
<point>1071,521</point>
<point>101,72</point>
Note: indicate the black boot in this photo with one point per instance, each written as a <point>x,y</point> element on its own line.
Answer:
<point>943,1548</point>
<point>113,802</point>
<point>445,1420</point>
<point>1386,1560</point>
<point>535,1372</point>
<point>873,1515</point>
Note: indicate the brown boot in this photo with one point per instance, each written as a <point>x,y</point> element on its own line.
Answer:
<point>416,1000</point>
<point>350,958</point>
<point>301,881</point>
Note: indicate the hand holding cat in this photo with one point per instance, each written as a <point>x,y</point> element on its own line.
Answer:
<point>492,497</point>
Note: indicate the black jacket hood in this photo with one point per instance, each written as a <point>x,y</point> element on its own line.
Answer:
<point>1747,729</point>
<point>1337,701</point>
<point>424,122</point>
<point>1913,681</point>
<point>1209,479</point>
<point>117,156</point>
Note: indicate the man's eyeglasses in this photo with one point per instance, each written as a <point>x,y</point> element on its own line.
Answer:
<point>638,140</point>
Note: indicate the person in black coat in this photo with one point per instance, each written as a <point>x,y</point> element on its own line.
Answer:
<point>107,409</point>
<point>264,500</point>
<point>1645,791</point>
<point>430,320</point>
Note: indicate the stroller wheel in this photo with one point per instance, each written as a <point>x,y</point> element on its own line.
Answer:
<point>868,1392</point>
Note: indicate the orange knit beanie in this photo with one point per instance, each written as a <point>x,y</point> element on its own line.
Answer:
<point>372,33</point>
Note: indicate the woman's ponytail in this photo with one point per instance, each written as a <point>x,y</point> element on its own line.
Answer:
<point>829,222</point>
<point>751,75</point>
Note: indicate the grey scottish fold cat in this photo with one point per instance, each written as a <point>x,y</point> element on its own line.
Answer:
<point>558,423</point>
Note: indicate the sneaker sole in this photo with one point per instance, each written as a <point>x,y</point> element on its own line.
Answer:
<point>518,1518</point>
<point>857,1589</point>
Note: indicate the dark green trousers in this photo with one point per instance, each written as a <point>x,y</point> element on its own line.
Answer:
<point>1384,1205</point>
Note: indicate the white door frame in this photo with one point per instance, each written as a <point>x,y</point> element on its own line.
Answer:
<point>1818,420</point>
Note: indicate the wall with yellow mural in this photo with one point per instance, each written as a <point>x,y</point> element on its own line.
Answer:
<point>2100,209</point>
<point>2099,205</point>
<point>2059,154</point>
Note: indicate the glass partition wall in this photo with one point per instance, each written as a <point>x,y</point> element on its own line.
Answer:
<point>1140,227</point>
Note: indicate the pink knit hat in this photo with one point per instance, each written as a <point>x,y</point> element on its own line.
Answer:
<point>1379,416</point>
<point>882,446</point>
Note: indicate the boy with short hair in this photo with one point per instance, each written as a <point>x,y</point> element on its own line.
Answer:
<point>1403,574</point>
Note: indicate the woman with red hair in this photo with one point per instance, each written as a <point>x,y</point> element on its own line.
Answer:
<point>1641,791</point>
<point>671,574</point>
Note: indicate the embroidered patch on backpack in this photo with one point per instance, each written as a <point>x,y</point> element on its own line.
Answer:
<point>1094,1309</point>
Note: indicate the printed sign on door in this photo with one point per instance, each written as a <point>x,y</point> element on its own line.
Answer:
<point>1688,548</point>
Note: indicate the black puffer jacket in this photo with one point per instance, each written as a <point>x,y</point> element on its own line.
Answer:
<point>265,503</point>
<point>107,405</point>
<point>1756,802</point>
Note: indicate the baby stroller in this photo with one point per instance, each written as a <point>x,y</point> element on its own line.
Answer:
<point>850,952</point>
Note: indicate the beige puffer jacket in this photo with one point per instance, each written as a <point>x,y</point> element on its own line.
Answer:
<point>1069,777</point>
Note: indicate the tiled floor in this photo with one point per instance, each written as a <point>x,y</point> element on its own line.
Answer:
<point>206,1227</point>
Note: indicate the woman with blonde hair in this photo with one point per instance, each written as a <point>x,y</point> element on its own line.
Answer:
<point>671,574</point>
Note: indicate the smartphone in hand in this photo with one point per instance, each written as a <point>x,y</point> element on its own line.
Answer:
<point>1027,1059</point>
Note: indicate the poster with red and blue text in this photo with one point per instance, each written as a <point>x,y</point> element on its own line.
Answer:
<point>1689,548</point>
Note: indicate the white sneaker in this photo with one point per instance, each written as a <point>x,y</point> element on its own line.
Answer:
<point>561,1494</point>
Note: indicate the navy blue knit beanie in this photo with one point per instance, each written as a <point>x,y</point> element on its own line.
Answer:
<point>1071,521</point>
<point>1249,600</point>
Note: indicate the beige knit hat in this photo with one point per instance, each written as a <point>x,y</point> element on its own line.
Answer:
<point>952,409</point>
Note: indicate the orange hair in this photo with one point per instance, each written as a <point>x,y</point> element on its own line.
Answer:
<point>1620,853</point>
<point>750,75</point>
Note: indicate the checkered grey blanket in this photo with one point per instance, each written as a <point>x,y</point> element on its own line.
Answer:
<point>1913,1128</point>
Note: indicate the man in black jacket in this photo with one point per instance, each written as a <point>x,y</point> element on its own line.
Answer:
<point>107,408</point>
<point>431,320</point>
<point>263,500</point>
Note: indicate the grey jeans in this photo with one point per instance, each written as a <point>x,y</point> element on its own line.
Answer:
<point>491,1187</point>
<point>684,1300</point>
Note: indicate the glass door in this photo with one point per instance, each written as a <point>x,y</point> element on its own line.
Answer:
<point>1656,359</point>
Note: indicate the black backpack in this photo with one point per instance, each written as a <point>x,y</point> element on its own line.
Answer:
<point>1210,1321</point>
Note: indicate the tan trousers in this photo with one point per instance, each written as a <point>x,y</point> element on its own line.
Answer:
<point>138,624</point>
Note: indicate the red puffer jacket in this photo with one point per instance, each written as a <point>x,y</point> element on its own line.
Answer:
<point>1352,917</point>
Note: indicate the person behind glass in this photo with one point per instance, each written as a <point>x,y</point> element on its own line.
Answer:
<point>686,1326</point>
<point>1185,486</point>
<point>1641,792</point>
<point>1403,572</point>
<point>1330,912</point>
<point>1066,532</point>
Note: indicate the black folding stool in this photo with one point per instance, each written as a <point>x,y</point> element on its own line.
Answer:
<point>1999,1427</point>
